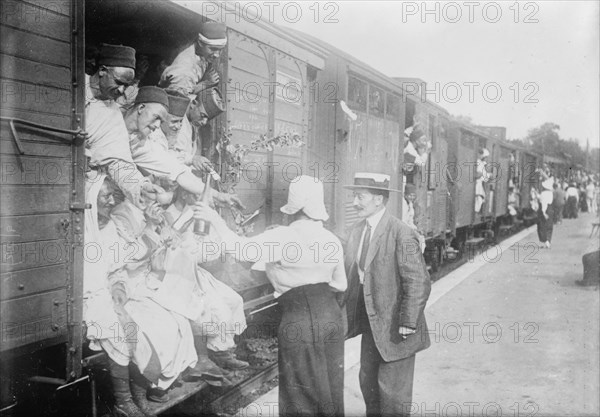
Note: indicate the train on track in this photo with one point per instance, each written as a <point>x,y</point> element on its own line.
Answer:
<point>275,81</point>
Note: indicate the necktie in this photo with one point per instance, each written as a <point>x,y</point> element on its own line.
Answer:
<point>365,248</point>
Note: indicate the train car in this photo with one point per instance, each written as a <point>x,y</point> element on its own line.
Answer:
<point>42,187</point>
<point>265,74</point>
<point>360,123</point>
<point>265,77</point>
<point>467,225</point>
<point>432,202</point>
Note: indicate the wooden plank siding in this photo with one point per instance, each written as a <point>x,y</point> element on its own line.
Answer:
<point>37,187</point>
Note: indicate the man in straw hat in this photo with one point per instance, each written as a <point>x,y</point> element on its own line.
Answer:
<point>107,143</point>
<point>388,286</point>
<point>304,262</point>
<point>191,71</point>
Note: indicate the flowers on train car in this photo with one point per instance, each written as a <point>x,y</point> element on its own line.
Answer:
<point>232,155</point>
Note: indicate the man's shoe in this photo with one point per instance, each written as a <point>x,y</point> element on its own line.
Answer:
<point>205,367</point>
<point>157,395</point>
<point>226,359</point>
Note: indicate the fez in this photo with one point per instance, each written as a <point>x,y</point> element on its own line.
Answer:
<point>213,34</point>
<point>416,134</point>
<point>116,56</point>
<point>151,94</point>
<point>178,105</point>
<point>212,102</point>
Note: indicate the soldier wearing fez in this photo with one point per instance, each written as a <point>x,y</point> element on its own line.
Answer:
<point>388,286</point>
<point>107,143</point>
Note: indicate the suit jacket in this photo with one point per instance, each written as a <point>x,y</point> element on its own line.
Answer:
<point>396,287</point>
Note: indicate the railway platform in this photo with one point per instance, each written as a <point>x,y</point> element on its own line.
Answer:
<point>512,334</point>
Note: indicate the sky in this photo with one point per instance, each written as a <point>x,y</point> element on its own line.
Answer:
<point>501,63</point>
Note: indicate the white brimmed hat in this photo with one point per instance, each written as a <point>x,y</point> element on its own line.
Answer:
<point>371,181</point>
<point>548,184</point>
<point>306,194</point>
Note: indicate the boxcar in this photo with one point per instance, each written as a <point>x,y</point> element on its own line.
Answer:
<point>41,211</point>
<point>360,124</point>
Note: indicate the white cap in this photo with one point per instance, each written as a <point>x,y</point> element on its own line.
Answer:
<point>306,193</point>
<point>548,184</point>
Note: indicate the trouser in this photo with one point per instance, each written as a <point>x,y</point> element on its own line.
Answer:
<point>558,214</point>
<point>386,386</point>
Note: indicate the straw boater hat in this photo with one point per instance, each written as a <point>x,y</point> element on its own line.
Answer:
<point>371,181</point>
<point>116,56</point>
<point>306,194</point>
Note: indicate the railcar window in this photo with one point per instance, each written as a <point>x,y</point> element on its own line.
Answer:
<point>357,94</point>
<point>376,101</point>
<point>392,108</point>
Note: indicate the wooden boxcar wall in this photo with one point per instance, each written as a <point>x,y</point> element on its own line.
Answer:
<point>42,76</point>
<point>432,187</point>
<point>372,143</point>
<point>462,153</point>
<point>267,93</point>
<point>501,179</point>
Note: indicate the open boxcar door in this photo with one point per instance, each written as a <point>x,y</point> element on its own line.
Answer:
<point>42,181</point>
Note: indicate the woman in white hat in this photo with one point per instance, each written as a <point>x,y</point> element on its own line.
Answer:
<point>545,223</point>
<point>305,264</point>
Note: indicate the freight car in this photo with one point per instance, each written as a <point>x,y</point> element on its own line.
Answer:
<point>275,82</point>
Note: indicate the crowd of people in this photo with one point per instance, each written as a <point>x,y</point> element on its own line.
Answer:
<point>562,199</point>
<point>161,316</point>
<point>147,299</point>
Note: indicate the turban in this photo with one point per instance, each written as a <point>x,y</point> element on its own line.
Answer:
<point>213,34</point>
<point>150,94</point>
<point>116,56</point>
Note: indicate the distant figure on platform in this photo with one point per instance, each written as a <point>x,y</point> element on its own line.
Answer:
<point>558,203</point>
<point>480,178</point>
<point>590,191</point>
<point>387,292</point>
<point>571,210</point>
<point>591,263</point>
<point>545,223</point>
<point>583,202</point>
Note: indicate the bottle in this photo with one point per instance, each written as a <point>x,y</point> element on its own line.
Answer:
<point>202,227</point>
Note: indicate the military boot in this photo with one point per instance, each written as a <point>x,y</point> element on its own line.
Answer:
<point>204,367</point>
<point>226,359</point>
<point>139,387</point>
<point>124,405</point>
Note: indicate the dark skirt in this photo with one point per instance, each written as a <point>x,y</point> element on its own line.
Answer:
<point>571,208</point>
<point>311,353</point>
<point>545,227</point>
